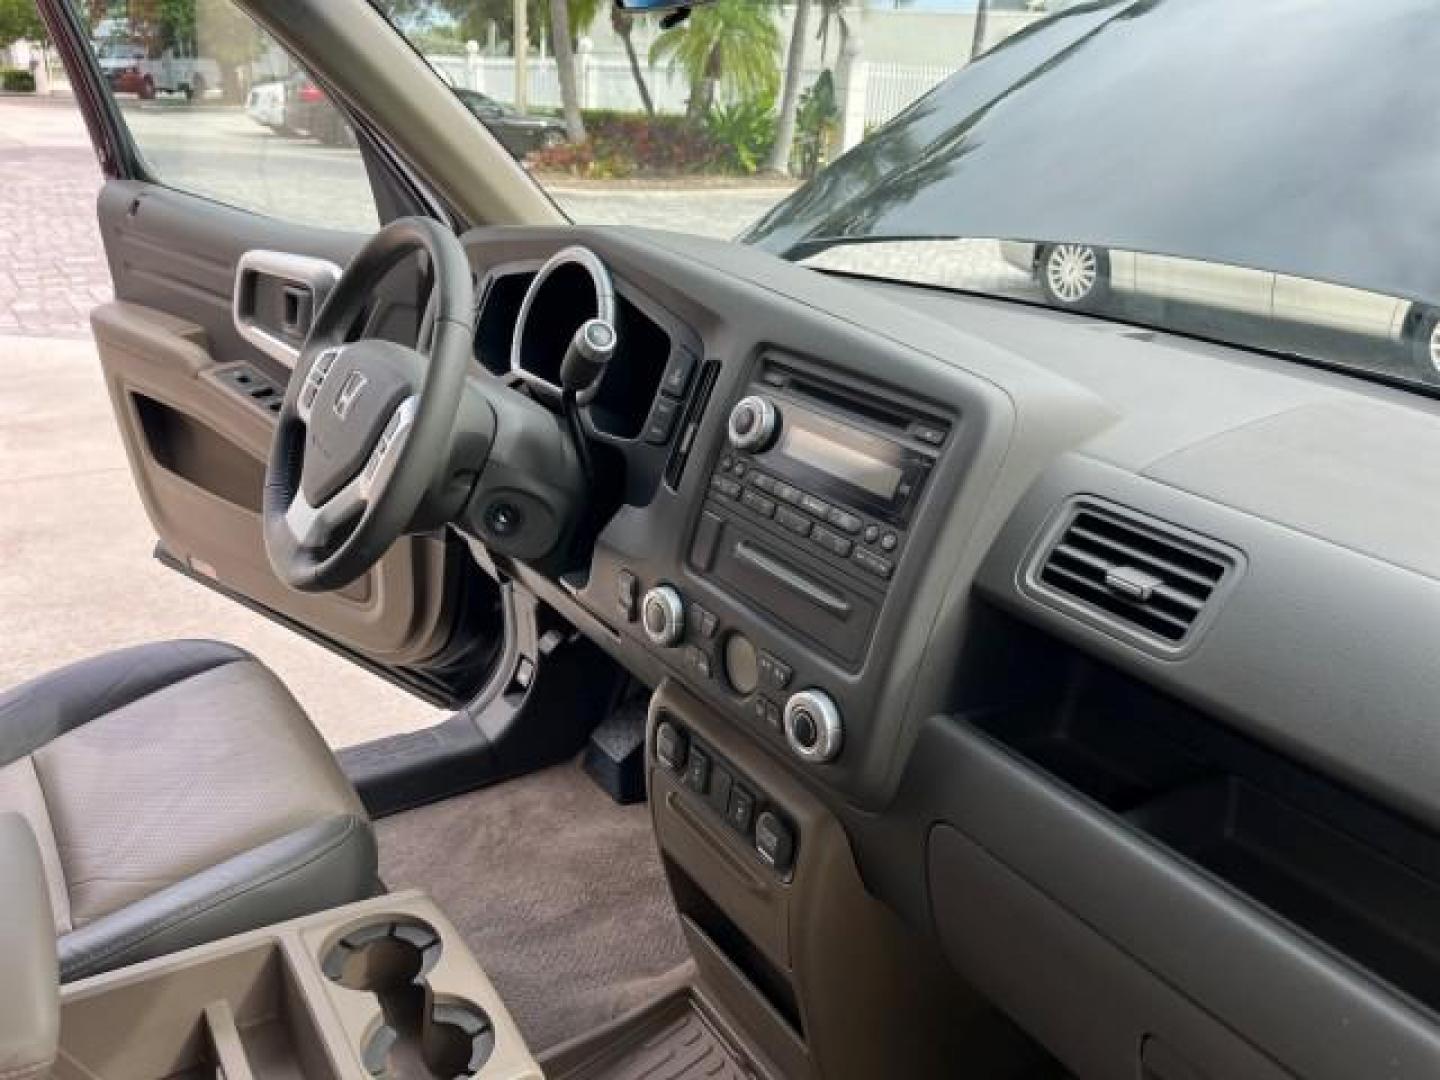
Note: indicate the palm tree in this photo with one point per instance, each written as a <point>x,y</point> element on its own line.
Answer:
<point>730,44</point>
<point>564,48</point>
<point>624,26</point>
<point>779,159</point>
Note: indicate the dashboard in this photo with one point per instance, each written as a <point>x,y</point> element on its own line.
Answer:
<point>1085,633</point>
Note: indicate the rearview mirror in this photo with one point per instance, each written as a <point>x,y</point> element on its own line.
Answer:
<point>647,7</point>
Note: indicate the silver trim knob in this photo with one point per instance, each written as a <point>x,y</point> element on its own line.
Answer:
<point>762,428</point>
<point>668,609</point>
<point>824,724</point>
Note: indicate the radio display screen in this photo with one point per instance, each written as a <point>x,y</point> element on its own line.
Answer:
<point>850,456</point>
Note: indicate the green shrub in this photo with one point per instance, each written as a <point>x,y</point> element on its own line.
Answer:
<point>633,144</point>
<point>744,132</point>
<point>16,81</point>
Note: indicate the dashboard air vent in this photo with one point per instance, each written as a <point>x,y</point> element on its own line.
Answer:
<point>1149,578</point>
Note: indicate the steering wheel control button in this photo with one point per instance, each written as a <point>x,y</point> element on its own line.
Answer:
<point>753,424</point>
<point>697,771</point>
<point>676,379</point>
<point>812,726</point>
<point>775,674</point>
<point>662,613</point>
<point>662,421</point>
<point>671,746</point>
<point>742,665</point>
<point>774,841</point>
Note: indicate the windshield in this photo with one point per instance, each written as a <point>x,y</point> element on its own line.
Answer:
<point>1254,171</point>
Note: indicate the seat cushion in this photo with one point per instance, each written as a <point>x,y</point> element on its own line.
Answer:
<point>178,793</point>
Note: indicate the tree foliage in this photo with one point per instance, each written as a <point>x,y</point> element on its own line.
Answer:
<point>730,46</point>
<point>20,21</point>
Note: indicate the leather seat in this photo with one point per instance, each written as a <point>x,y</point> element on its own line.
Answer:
<point>178,794</point>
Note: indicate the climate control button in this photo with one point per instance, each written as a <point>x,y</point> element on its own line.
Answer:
<point>812,725</point>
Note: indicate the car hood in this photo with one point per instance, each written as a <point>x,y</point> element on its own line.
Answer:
<point>1284,135</point>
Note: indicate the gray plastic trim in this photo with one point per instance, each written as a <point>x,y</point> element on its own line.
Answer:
<point>317,275</point>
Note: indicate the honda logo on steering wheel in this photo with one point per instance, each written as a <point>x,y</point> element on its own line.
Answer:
<point>350,391</point>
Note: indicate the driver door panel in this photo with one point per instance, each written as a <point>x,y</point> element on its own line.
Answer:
<point>194,403</point>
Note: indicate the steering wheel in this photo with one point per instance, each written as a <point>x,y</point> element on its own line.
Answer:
<point>366,427</point>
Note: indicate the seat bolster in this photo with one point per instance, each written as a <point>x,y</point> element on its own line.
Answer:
<point>36,712</point>
<point>325,864</point>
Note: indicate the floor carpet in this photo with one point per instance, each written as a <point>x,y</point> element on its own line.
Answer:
<point>557,890</point>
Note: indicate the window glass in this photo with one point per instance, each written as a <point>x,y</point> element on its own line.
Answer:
<point>218,109</point>
<point>705,124</point>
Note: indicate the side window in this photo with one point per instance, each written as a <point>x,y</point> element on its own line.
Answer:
<point>218,109</point>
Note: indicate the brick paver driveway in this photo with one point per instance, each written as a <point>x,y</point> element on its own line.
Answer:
<point>52,268</point>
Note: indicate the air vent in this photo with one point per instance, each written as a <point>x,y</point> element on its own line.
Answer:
<point>1144,576</point>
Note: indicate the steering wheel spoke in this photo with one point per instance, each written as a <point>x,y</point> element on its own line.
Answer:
<point>314,527</point>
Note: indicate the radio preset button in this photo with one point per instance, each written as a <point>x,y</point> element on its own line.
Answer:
<point>817,506</point>
<point>831,541</point>
<point>759,503</point>
<point>872,533</point>
<point>844,520</point>
<point>764,483</point>
<point>889,542</point>
<point>796,522</point>
<point>869,561</point>
<point>787,492</point>
<point>725,486</point>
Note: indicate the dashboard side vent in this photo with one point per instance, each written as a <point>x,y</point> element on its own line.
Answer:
<point>1151,579</point>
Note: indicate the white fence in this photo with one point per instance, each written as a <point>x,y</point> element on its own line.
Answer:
<point>607,83</point>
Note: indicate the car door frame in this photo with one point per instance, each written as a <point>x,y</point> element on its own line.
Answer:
<point>448,676</point>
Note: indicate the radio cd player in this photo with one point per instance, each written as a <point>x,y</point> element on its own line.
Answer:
<point>838,477</point>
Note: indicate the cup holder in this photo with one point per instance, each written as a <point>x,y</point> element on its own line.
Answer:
<point>422,1035</point>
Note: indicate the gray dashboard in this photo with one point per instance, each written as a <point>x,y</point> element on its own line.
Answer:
<point>1302,704</point>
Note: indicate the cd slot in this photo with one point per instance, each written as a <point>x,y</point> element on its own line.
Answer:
<point>779,581</point>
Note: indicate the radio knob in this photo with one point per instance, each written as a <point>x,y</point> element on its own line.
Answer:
<point>812,725</point>
<point>662,613</point>
<point>753,423</point>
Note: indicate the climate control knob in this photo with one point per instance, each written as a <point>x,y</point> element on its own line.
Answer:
<point>812,725</point>
<point>662,613</point>
<point>753,423</point>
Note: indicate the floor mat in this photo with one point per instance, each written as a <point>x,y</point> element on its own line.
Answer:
<point>556,889</point>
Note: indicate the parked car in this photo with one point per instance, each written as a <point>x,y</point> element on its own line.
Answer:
<point>130,70</point>
<point>265,104</point>
<point>1087,278</point>
<point>520,133</point>
<point>308,111</point>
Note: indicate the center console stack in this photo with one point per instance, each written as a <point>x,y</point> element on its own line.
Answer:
<point>807,518</point>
